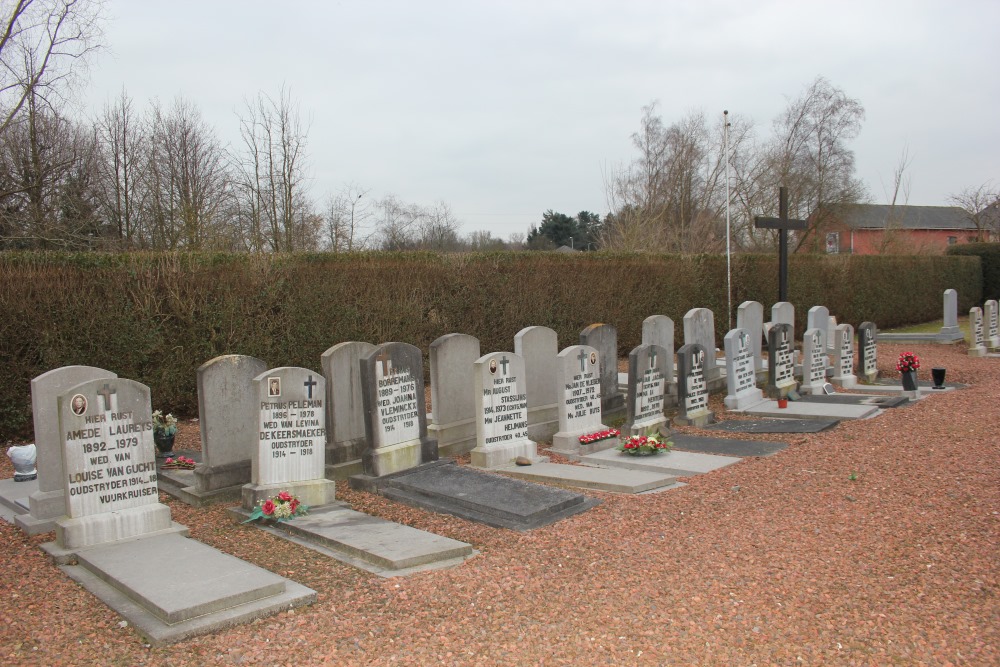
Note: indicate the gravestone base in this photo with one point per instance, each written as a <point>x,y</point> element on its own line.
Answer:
<point>496,457</point>
<point>209,479</point>
<point>744,400</point>
<point>568,443</point>
<point>657,426</point>
<point>44,507</point>
<point>977,351</point>
<point>137,580</point>
<point>845,381</point>
<point>543,422</point>
<point>455,438</point>
<point>343,459</point>
<point>699,421</point>
<point>395,458</point>
<point>818,389</point>
<point>116,526</point>
<point>343,470</point>
<point>312,492</point>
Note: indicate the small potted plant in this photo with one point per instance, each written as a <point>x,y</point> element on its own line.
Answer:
<point>282,507</point>
<point>644,445</point>
<point>164,430</point>
<point>907,365</point>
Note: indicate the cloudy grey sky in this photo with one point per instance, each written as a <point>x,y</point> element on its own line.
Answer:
<point>506,109</point>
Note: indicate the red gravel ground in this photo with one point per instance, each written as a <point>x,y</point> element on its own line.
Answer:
<point>872,544</point>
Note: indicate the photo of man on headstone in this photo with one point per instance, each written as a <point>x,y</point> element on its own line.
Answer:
<point>79,404</point>
<point>274,387</point>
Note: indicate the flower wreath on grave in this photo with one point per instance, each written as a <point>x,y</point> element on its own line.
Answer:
<point>179,463</point>
<point>644,445</point>
<point>907,362</point>
<point>164,425</point>
<point>588,438</point>
<point>282,507</point>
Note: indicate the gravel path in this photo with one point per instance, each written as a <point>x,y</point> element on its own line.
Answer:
<point>779,560</point>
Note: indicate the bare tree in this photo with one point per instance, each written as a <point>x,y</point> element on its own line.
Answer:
<point>272,172</point>
<point>982,203</point>
<point>121,142</point>
<point>42,45</point>
<point>898,195</point>
<point>347,212</point>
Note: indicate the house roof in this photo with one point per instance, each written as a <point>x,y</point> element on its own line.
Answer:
<point>875,216</point>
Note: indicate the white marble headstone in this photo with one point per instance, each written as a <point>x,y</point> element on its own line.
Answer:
<point>501,406</point>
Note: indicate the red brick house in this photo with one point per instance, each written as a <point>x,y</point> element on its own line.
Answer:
<point>876,229</point>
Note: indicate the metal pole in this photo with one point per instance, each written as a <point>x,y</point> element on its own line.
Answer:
<point>783,245</point>
<point>729,266</point>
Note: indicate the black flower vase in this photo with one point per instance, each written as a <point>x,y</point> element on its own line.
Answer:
<point>164,443</point>
<point>909,380</point>
<point>938,375</point>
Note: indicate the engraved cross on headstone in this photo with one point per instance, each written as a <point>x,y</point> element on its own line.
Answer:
<point>309,384</point>
<point>105,393</point>
<point>583,361</point>
<point>652,358</point>
<point>384,357</point>
<point>782,224</point>
<point>504,363</point>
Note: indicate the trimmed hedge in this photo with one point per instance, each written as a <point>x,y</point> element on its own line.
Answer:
<point>989,256</point>
<point>156,317</point>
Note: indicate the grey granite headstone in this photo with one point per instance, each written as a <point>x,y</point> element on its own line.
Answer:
<point>290,437</point>
<point>453,401</point>
<point>783,312</point>
<point>392,378</point>
<point>48,503</point>
<point>843,357</point>
<point>741,371</point>
<point>692,386</point>
<point>699,329</point>
<point>659,330</point>
<point>867,350</point>
<point>977,335</point>
<point>950,325</point>
<point>814,361</point>
<point>539,347</point>
<point>780,360</point>
<point>992,318</point>
<point>750,318</point>
<point>604,339</point>
<point>109,465</point>
<point>647,388</point>
<point>345,409</point>
<point>501,409</point>
<point>579,386</point>
<point>227,417</point>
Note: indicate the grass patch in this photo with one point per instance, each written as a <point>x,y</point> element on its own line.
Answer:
<point>930,327</point>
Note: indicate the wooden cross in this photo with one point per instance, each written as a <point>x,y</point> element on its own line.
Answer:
<point>782,224</point>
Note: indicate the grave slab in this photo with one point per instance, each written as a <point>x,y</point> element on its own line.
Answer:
<point>495,500</point>
<point>14,497</point>
<point>615,480</point>
<point>135,579</point>
<point>376,545</point>
<point>856,399</point>
<point>674,462</point>
<point>812,410</point>
<point>774,425</point>
<point>725,446</point>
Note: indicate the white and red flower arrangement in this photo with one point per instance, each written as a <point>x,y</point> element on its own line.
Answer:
<point>282,507</point>
<point>907,362</point>
<point>588,438</point>
<point>179,463</point>
<point>644,445</point>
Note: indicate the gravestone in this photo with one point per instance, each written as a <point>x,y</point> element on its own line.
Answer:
<point>392,380</point>
<point>699,329</point>
<point>647,388</point>
<point>290,450</point>
<point>750,318</point>
<point>831,335</point>
<point>227,419</point>
<point>539,347</point>
<point>784,313</point>
<point>992,318</point>
<point>741,371</point>
<point>48,503</point>
<point>780,360</point>
<point>692,386</point>
<point>814,361</point>
<point>109,465</point>
<point>818,317</point>
<point>604,339</point>
<point>579,386</point>
<point>868,363</point>
<point>345,410</point>
<point>977,336</point>
<point>843,357</point>
<point>950,325</point>
<point>453,401</point>
<point>659,330</point>
<point>501,409</point>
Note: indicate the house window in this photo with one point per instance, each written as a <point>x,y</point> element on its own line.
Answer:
<point>833,243</point>
<point>952,240</point>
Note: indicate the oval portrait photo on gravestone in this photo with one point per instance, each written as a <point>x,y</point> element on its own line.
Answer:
<point>79,404</point>
<point>593,358</point>
<point>493,366</point>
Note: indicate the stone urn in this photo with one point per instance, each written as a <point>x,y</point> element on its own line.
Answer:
<point>164,443</point>
<point>23,458</point>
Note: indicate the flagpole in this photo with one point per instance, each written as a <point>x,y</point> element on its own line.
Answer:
<point>729,266</point>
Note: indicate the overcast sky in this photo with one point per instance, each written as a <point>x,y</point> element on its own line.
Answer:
<point>505,109</point>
